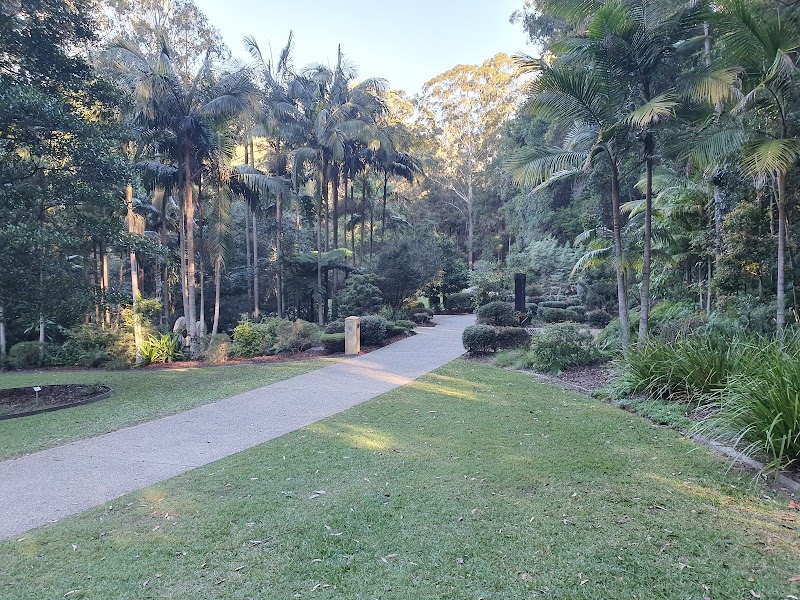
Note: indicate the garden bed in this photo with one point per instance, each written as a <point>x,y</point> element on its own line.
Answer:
<point>25,401</point>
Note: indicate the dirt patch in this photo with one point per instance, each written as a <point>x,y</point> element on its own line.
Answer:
<point>20,402</point>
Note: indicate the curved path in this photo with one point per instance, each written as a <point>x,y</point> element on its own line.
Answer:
<point>47,486</point>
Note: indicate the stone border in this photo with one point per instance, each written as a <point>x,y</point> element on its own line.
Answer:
<point>101,396</point>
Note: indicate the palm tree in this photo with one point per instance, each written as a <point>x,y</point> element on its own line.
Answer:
<point>587,100</point>
<point>765,47</point>
<point>336,112</point>
<point>187,114</point>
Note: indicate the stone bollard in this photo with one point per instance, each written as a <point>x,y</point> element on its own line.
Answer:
<point>352,335</point>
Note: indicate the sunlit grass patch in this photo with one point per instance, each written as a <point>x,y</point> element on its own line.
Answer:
<point>530,492</point>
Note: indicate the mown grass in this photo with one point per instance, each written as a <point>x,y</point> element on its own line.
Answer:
<point>139,395</point>
<point>473,482</point>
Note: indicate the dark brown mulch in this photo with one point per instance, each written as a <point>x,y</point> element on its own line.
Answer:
<point>23,401</point>
<point>591,378</point>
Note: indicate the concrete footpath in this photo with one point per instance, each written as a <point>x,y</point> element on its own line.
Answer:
<point>44,487</point>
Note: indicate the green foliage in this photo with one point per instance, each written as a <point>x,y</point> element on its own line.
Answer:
<point>216,348</point>
<point>558,315</point>
<point>479,339</point>
<point>255,339</point>
<point>373,330</point>
<point>295,336</point>
<point>598,318</point>
<point>760,408</point>
<point>691,369</point>
<point>601,295</point>
<point>512,337</point>
<point>554,304</point>
<point>460,302</point>
<point>165,348</point>
<point>332,342</point>
<point>360,296</point>
<point>28,355</point>
<point>87,345</point>
<point>336,326</point>
<point>561,347</point>
<point>544,260</point>
<point>405,324</point>
<point>406,264</point>
<point>492,282</point>
<point>497,313</point>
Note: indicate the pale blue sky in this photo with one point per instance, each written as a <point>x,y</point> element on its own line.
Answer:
<point>407,41</point>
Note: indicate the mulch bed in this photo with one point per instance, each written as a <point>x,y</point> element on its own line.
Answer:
<point>19,402</point>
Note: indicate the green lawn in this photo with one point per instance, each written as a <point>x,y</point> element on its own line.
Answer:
<point>139,395</point>
<point>472,483</point>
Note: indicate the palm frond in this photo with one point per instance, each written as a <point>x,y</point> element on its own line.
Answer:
<point>655,111</point>
<point>768,156</point>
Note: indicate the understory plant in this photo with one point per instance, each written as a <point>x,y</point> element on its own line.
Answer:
<point>561,347</point>
<point>759,412</point>
<point>165,348</point>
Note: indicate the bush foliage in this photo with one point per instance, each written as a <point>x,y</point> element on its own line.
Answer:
<point>480,339</point>
<point>497,313</point>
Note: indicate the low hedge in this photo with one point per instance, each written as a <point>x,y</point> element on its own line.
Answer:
<point>333,342</point>
<point>479,339</point>
<point>512,337</point>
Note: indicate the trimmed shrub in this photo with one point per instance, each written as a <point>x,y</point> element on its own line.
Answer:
<point>462,302</point>
<point>561,347</point>
<point>581,310</point>
<point>512,337</point>
<point>574,316</point>
<point>553,304</point>
<point>373,330</point>
<point>335,326</point>
<point>296,336</point>
<point>598,318</point>
<point>530,309</point>
<point>497,313</point>
<point>28,355</point>
<point>405,324</point>
<point>333,342</point>
<point>215,348</point>
<point>551,315</point>
<point>479,339</point>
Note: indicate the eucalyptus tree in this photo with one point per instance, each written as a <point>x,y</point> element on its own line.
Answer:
<point>463,110</point>
<point>186,114</point>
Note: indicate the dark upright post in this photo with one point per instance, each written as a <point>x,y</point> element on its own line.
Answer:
<point>519,292</point>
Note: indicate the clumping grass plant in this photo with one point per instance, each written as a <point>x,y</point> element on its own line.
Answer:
<point>692,369</point>
<point>759,411</point>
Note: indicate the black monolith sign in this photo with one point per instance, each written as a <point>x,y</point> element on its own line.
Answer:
<point>519,292</point>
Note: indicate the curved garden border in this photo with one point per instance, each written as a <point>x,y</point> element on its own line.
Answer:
<point>106,393</point>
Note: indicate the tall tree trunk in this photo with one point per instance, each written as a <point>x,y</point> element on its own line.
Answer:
<point>371,226</point>
<point>3,349</point>
<point>363,213</point>
<point>335,182</point>
<point>217,289</point>
<point>780,316</point>
<point>622,287</point>
<point>470,218</point>
<point>644,314</point>
<point>105,282</point>
<point>279,251</point>
<point>383,211</point>
<point>320,295</point>
<point>202,315</point>
<point>163,263</point>
<point>256,270</point>
<point>137,330</point>
<point>191,271</point>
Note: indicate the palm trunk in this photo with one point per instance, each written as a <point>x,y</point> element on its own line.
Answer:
<point>383,211</point>
<point>217,289</point>
<point>279,251</point>
<point>3,349</point>
<point>363,210</point>
<point>256,291</point>
<point>644,314</point>
<point>202,319</point>
<point>191,274</point>
<point>335,184</point>
<point>780,316</point>
<point>622,288</point>
<point>248,254</point>
<point>320,308</point>
<point>137,331</point>
<point>104,282</point>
